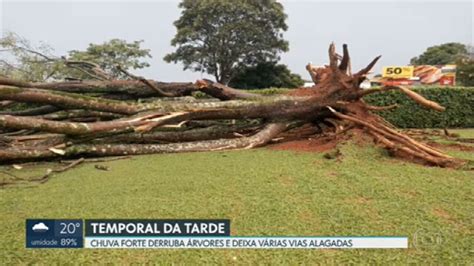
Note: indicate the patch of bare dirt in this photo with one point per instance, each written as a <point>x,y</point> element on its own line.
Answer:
<point>441,214</point>
<point>320,144</point>
<point>309,139</point>
<point>359,137</point>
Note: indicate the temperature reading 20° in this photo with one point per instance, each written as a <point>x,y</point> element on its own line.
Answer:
<point>69,228</point>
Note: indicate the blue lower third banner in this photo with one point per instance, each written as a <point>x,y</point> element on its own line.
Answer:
<point>180,234</point>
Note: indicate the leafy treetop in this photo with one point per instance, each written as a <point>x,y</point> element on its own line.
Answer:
<point>115,52</point>
<point>25,61</point>
<point>443,54</point>
<point>220,36</point>
<point>266,75</point>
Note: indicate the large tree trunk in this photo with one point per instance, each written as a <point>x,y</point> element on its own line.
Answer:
<point>132,87</point>
<point>137,127</point>
<point>135,88</point>
<point>259,139</point>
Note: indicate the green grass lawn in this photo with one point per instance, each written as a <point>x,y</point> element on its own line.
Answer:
<point>265,193</point>
<point>463,132</point>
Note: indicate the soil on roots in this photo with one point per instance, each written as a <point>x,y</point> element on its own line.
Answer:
<point>309,138</point>
<point>317,144</point>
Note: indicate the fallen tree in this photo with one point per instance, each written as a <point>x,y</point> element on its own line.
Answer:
<point>86,123</point>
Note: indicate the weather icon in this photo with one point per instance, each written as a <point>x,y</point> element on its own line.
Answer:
<point>40,227</point>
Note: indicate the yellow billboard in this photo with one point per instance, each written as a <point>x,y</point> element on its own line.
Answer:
<point>398,72</point>
<point>422,74</point>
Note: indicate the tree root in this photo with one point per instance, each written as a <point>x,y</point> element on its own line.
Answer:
<point>395,141</point>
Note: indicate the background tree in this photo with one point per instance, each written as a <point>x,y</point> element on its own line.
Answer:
<point>465,70</point>
<point>129,55</point>
<point>20,59</point>
<point>450,53</point>
<point>220,36</point>
<point>443,54</point>
<point>266,75</point>
<point>24,61</point>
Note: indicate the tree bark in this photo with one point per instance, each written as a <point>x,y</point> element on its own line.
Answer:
<point>46,109</point>
<point>259,139</point>
<point>66,100</point>
<point>223,92</point>
<point>208,133</point>
<point>138,88</point>
<point>132,87</point>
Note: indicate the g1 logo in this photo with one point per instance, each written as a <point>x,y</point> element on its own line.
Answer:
<point>423,238</point>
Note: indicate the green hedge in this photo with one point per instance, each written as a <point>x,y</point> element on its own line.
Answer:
<point>459,103</point>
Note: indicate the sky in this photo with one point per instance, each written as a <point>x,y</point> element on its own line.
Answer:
<point>397,30</point>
